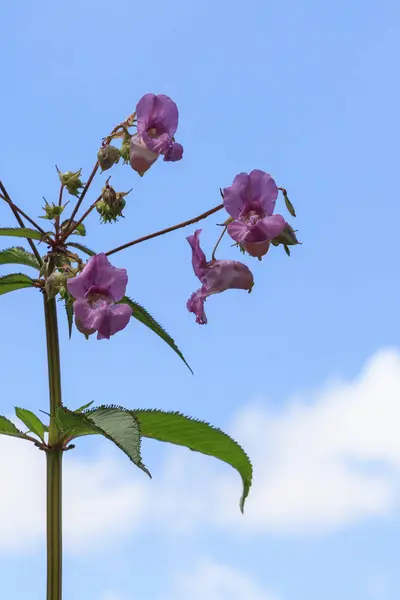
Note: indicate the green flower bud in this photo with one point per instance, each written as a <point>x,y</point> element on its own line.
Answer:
<point>71,181</point>
<point>52,211</point>
<point>111,205</point>
<point>80,230</point>
<point>107,157</point>
<point>54,283</point>
<point>125,149</point>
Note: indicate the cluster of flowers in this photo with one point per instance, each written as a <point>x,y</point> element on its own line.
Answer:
<point>249,201</point>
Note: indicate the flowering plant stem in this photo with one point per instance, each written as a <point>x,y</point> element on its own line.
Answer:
<point>53,457</point>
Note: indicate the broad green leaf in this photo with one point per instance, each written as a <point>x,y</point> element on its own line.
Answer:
<point>23,232</point>
<point>20,256</point>
<point>118,425</point>
<point>141,314</point>
<point>8,428</point>
<point>201,437</point>
<point>16,281</point>
<point>33,423</point>
<point>82,248</point>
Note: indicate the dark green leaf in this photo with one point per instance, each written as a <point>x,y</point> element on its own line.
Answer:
<point>82,248</point>
<point>289,205</point>
<point>141,314</point>
<point>201,437</point>
<point>70,315</point>
<point>33,423</point>
<point>20,256</point>
<point>24,232</point>
<point>287,249</point>
<point>118,425</point>
<point>8,428</point>
<point>16,281</point>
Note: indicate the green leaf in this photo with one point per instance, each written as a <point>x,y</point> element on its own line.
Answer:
<point>141,314</point>
<point>18,255</point>
<point>70,315</point>
<point>82,248</point>
<point>84,407</point>
<point>33,423</point>
<point>16,281</point>
<point>8,428</point>
<point>118,425</point>
<point>201,437</point>
<point>24,232</point>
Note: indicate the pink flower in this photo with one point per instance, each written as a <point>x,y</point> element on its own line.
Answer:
<point>96,290</point>
<point>216,276</point>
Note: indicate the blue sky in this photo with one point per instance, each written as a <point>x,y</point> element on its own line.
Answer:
<point>299,370</point>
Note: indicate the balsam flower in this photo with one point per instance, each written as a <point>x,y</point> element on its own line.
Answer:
<point>216,276</point>
<point>251,200</point>
<point>157,122</point>
<point>96,290</point>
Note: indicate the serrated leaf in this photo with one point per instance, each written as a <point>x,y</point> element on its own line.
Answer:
<point>20,256</point>
<point>142,315</point>
<point>24,232</point>
<point>8,428</point>
<point>15,281</point>
<point>82,248</point>
<point>33,423</point>
<point>175,428</point>
<point>118,425</point>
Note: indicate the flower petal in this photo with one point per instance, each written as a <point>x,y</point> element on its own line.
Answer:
<point>140,157</point>
<point>263,189</point>
<point>174,152</point>
<point>144,112</point>
<point>257,249</point>
<point>199,260</point>
<point>165,114</point>
<point>237,230</point>
<point>195,304</point>
<point>116,319</point>
<point>235,196</point>
<point>221,275</point>
<point>99,275</point>
<point>89,318</point>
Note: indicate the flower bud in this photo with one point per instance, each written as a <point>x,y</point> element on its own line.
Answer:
<point>53,284</point>
<point>107,157</point>
<point>80,230</point>
<point>52,211</point>
<point>111,205</point>
<point>71,181</point>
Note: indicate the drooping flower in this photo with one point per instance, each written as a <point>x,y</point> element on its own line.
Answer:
<point>251,200</point>
<point>96,290</point>
<point>157,122</point>
<point>216,276</point>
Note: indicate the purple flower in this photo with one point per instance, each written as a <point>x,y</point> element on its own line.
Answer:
<point>250,200</point>
<point>96,290</point>
<point>216,276</point>
<point>157,122</point>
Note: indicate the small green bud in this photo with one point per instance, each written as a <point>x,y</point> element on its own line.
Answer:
<point>54,283</point>
<point>125,149</point>
<point>289,205</point>
<point>108,156</point>
<point>71,181</point>
<point>80,230</point>
<point>52,211</point>
<point>111,205</point>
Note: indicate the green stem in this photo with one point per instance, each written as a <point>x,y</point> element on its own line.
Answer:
<point>53,457</point>
<point>54,525</point>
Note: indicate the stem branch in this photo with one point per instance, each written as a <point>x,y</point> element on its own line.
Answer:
<point>167,230</point>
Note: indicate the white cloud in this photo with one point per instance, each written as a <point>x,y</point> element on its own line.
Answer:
<point>320,463</point>
<point>216,582</point>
